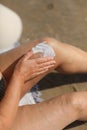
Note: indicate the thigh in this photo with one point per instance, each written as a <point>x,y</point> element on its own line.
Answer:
<point>10,57</point>
<point>48,115</point>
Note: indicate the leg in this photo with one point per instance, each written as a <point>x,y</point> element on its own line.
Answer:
<point>54,114</point>
<point>70,61</point>
<point>66,55</point>
<point>69,58</point>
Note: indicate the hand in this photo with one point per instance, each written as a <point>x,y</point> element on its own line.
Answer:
<point>28,68</point>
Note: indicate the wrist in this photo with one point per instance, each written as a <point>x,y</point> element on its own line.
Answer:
<point>17,78</point>
<point>17,82</point>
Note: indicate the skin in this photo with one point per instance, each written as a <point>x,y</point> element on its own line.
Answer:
<point>50,114</point>
<point>23,70</point>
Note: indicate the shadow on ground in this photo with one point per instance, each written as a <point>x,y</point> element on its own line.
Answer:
<point>56,79</point>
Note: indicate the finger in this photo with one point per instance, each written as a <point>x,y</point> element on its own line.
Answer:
<point>47,64</point>
<point>28,55</point>
<point>43,59</point>
<point>41,71</point>
<point>44,68</point>
<point>38,73</point>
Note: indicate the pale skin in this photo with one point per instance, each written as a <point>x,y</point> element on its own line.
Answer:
<point>50,114</point>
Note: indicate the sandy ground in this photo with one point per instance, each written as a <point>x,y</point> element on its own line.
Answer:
<point>65,20</point>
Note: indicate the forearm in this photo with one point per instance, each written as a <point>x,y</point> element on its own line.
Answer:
<point>9,104</point>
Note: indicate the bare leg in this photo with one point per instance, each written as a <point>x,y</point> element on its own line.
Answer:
<point>69,59</point>
<point>54,114</point>
<point>66,55</point>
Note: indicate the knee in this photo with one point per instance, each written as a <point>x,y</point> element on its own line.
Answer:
<point>79,101</point>
<point>70,102</point>
<point>54,44</point>
<point>57,46</point>
<point>51,41</point>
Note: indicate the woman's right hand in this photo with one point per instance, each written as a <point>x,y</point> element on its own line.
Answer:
<point>28,68</point>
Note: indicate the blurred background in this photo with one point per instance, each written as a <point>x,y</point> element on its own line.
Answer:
<point>65,20</point>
